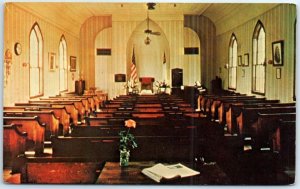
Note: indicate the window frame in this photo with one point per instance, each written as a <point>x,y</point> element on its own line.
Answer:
<point>258,27</point>
<point>231,43</point>
<point>65,67</point>
<point>40,66</point>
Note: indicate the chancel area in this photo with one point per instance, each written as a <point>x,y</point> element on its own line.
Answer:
<point>95,92</point>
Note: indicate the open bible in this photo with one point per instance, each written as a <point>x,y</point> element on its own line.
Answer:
<point>159,172</point>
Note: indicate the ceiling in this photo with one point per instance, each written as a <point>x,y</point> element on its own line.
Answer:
<point>70,16</point>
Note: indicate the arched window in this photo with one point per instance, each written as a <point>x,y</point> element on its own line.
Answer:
<point>232,62</point>
<point>259,59</point>
<point>63,76</point>
<point>36,62</point>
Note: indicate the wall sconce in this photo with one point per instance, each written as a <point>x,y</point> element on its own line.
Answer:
<point>7,62</point>
<point>24,64</point>
<point>226,66</point>
<point>270,62</point>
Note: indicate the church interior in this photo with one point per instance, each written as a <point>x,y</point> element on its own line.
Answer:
<point>95,92</point>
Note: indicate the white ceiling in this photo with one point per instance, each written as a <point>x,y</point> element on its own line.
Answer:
<point>70,16</point>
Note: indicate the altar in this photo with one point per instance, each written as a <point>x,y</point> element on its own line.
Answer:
<point>147,83</point>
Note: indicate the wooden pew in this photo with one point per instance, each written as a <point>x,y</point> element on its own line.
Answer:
<point>202,100</point>
<point>217,104</point>
<point>235,110</point>
<point>69,106</point>
<point>84,107</point>
<point>150,125</point>
<point>48,117</point>
<point>108,109</point>
<point>75,107</point>
<point>226,104</point>
<point>103,114</point>
<point>249,116</point>
<point>284,142</point>
<point>60,170</point>
<point>157,148</point>
<point>263,164</point>
<point>122,108</point>
<point>14,143</point>
<point>209,100</point>
<point>153,115</point>
<point>94,99</point>
<point>34,129</point>
<point>95,121</point>
<point>59,112</point>
<point>268,123</point>
<point>141,130</point>
<point>98,121</point>
<point>148,109</point>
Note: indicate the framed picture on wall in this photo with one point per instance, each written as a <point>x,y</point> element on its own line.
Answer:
<point>51,61</point>
<point>246,59</point>
<point>72,64</point>
<point>277,53</point>
<point>240,63</point>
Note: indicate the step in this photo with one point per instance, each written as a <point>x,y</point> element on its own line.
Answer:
<point>47,144</point>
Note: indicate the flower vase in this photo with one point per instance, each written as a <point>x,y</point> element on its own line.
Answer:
<point>124,157</point>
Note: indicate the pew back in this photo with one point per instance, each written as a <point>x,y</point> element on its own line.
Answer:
<point>34,129</point>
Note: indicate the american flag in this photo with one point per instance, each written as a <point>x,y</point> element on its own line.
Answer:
<point>133,74</point>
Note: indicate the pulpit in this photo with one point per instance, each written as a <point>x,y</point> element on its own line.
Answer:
<point>147,83</point>
<point>79,87</point>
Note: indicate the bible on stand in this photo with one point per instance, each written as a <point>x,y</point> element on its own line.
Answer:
<point>159,172</point>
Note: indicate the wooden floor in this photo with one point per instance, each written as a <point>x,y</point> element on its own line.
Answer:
<point>9,178</point>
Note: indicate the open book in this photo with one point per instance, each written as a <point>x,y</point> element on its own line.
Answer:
<point>160,171</point>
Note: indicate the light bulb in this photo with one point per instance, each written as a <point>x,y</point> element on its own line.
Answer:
<point>147,40</point>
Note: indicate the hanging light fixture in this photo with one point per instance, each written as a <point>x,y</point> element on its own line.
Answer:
<point>147,40</point>
<point>151,6</point>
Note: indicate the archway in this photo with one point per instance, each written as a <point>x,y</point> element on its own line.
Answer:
<point>103,63</point>
<point>152,60</point>
<point>192,62</point>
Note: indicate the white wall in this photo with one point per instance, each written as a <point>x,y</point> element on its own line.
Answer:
<point>123,26</point>
<point>279,25</point>
<point>102,63</point>
<point>192,63</point>
<point>18,24</point>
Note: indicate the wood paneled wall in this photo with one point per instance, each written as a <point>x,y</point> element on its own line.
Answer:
<point>192,63</point>
<point>207,33</point>
<point>18,24</point>
<point>122,29</point>
<point>279,24</point>
<point>88,32</point>
<point>103,63</point>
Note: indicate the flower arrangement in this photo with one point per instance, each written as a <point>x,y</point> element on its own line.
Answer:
<point>127,142</point>
<point>161,87</point>
<point>162,84</point>
<point>130,85</point>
